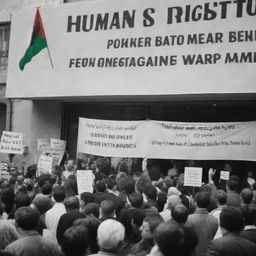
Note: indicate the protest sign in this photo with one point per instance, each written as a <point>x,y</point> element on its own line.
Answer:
<point>224,175</point>
<point>85,179</point>
<point>45,164</point>
<point>193,176</point>
<point>57,148</point>
<point>11,143</point>
<point>112,138</point>
<point>43,145</point>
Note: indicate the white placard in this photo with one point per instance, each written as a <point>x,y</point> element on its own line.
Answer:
<point>85,179</point>
<point>136,47</point>
<point>11,143</point>
<point>112,138</point>
<point>43,145</point>
<point>224,175</point>
<point>57,148</point>
<point>193,176</point>
<point>45,164</point>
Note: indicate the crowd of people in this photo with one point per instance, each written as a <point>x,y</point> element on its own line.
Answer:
<point>135,210</point>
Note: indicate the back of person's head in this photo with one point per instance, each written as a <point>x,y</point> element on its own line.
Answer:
<point>42,203</point>
<point>141,183</point>
<point>92,224</point>
<point>92,209</point>
<point>153,220</point>
<point>126,184</point>
<point>27,218</point>
<point>172,201</point>
<point>179,213</point>
<point>46,189</point>
<point>231,219</point>
<point>22,199</point>
<point>136,199</point>
<point>2,208</point>
<point>8,196</point>
<point>31,171</point>
<point>247,195</point>
<point>43,178</point>
<point>221,197</point>
<point>75,241</point>
<point>71,203</point>
<point>202,199</point>
<point>249,213</point>
<point>110,235</point>
<point>59,193</point>
<point>138,216</point>
<point>150,192</point>
<point>111,183</point>
<point>86,197</point>
<point>233,183</point>
<point>100,186</point>
<point>107,209</point>
<point>175,240</point>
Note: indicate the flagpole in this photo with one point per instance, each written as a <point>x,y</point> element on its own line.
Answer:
<point>49,56</point>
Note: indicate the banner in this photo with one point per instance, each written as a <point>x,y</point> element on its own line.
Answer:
<point>11,143</point>
<point>112,138</point>
<point>44,164</point>
<point>136,47</point>
<point>85,179</point>
<point>57,148</point>
<point>168,140</point>
<point>193,176</point>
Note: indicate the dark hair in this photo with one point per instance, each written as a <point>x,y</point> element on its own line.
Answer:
<point>27,218</point>
<point>247,195</point>
<point>233,183</point>
<point>249,213</point>
<point>71,203</point>
<point>202,199</point>
<point>92,209</point>
<point>231,218</point>
<point>86,197</point>
<point>2,208</point>
<point>221,196</point>
<point>31,171</point>
<point>175,240</point>
<point>7,195</point>
<point>126,184</point>
<point>43,178</point>
<point>107,208</point>
<point>100,186</point>
<point>110,182</point>
<point>138,216</point>
<point>136,199</point>
<point>150,192</point>
<point>91,223</point>
<point>59,193</point>
<point>179,213</point>
<point>153,221</point>
<point>75,241</point>
<point>22,199</point>
<point>46,189</point>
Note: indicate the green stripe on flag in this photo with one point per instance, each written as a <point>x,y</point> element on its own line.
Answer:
<point>38,44</point>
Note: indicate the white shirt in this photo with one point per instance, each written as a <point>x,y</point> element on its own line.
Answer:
<point>53,215</point>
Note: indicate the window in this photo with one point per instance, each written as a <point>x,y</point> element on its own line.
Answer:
<point>4,50</point>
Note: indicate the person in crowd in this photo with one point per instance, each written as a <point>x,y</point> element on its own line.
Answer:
<point>175,240</point>
<point>246,196</point>
<point>150,195</point>
<point>8,197</point>
<point>172,200</point>
<point>231,243</point>
<point>179,214</point>
<point>92,209</point>
<point>107,210</point>
<point>110,236</point>
<point>67,219</point>
<point>233,197</point>
<point>31,242</point>
<point>75,241</point>
<point>144,246</point>
<point>53,215</point>
<point>8,233</point>
<point>221,201</point>
<point>202,223</point>
<point>85,198</point>
<point>249,214</point>
<point>91,223</point>
<point>46,190</point>
<point>112,186</point>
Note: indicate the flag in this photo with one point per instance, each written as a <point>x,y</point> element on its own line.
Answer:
<point>38,41</point>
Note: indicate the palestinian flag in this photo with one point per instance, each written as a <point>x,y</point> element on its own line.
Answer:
<point>38,41</point>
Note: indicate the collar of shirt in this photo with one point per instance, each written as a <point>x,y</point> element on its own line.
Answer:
<point>29,233</point>
<point>249,227</point>
<point>201,211</point>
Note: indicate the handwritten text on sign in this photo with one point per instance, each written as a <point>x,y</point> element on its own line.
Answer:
<point>193,176</point>
<point>11,143</point>
<point>176,140</point>
<point>85,179</point>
